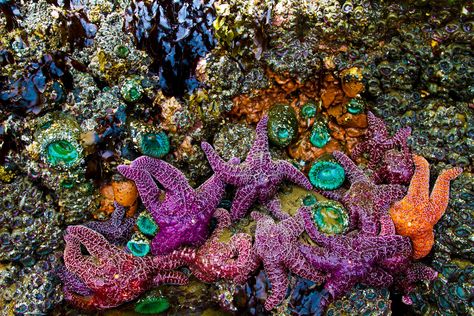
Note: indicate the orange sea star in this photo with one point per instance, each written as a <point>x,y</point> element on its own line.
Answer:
<point>416,214</point>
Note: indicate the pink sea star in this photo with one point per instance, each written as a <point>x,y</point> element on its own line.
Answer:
<point>258,177</point>
<point>353,258</point>
<point>181,212</point>
<point>378,141</point>
<point>108,276</point>
<point>215,259</point>
<point>367,202</point>
<point>276,244</point>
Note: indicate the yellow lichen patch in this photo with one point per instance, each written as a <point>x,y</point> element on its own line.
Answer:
<point>6,175</point>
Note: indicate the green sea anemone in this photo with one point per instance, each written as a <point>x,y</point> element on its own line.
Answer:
<point>330,217</point>
<point>139,246</point>
<point>131,90</point>
<point>319,135</point>
<point>282,124</point>
<point>62,152</point>
<point>152,305</point>
<point>57,136</point>
<point>355,106</point>
<point>309,200</point>
<point>309,110</point>
<point>326,175</point>
<point>154,144</point>
<point>146,224</point>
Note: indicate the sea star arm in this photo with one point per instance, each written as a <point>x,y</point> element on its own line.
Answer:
<point>378,278</point>
<point>211,192</point>
<point>295,225</point>
<point>147,188</point>
<point>169,177</point>
<point>440,194</point>
<point>274,206</point>
<point>375,156</point>
<point>118,215</point>
<point>354,174</point>
<point>359,149</point>
<point>82,302</point>
<point>244,198</point>
<point>367,220</point>
<point>311,229</point>
<point>72,282</point>
<point>300,266</point>
<point>117,229</point>
<point>389,193</point>
<point>230,172</point>
<point>95,243</point>
<point>340,284</point>
<point>414,273</point>
<point>259,149</point>
<point>292,174</point>
<point>387,227</point>
<point>376,126</point>
<point>170,277</point>
<point>279,281</point>
<point>336,194</point>
<point>423,241</point>
<point>177,258</point>
<point>401,137</point>
<point>258,216</point>
<point>223,220</point>
<point>75,261</point>
<point>418,190</point>
<point>242,244</point>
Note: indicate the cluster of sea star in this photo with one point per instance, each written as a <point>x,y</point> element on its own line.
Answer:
<point>372,253</point>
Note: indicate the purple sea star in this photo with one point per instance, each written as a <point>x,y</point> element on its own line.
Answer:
<point>258,177</point>
<point>367,202</point>
<point>117,229</point>
<point>108,276</point>
<point>278,247</point>
<point>396,168</point>
<point>351,259</point>
<point>378,141</point>
<point>181,212</point>
<point>232,260</point>
<point>407,273</point>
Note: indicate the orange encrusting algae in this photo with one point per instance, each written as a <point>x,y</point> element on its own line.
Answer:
<point>417,213</point>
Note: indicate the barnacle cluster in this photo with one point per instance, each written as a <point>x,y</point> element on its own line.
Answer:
<point>88,85</point>
<point>30,233</point>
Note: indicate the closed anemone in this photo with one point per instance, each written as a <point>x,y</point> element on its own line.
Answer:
<point>282,125</point>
